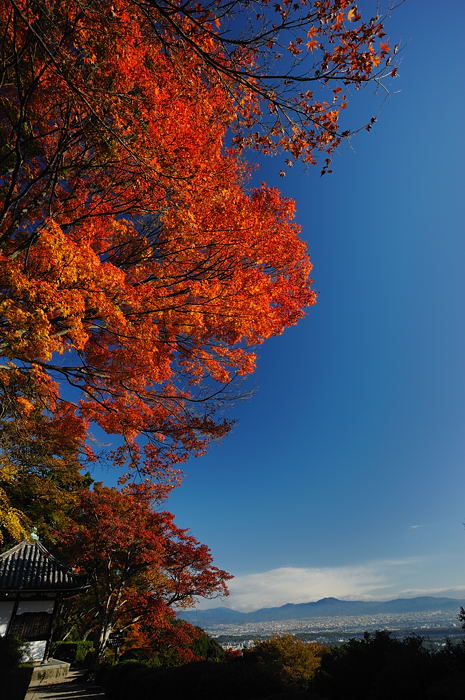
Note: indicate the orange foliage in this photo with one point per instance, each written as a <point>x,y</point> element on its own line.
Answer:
<point>135,261</point>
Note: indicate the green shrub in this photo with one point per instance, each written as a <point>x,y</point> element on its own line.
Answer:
<point>207,648</point>
<point>73,652</point>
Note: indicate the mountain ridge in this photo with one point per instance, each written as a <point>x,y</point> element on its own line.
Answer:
<point>325,607</point>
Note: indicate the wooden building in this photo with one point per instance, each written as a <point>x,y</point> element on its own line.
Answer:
<point>32,585</point>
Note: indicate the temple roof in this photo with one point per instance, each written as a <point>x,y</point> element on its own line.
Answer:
<point>30,567</point>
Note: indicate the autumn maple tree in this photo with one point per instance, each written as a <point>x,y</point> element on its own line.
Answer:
<point>137,264</point>
<point>138,562</point>
<point>42,457</point>
<point>139,267</point>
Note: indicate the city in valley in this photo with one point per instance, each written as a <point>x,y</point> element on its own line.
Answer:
<point>435,627</point>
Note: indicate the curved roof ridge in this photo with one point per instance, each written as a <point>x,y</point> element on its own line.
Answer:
<point>29,566</point>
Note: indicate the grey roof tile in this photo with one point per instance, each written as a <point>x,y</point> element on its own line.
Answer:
<point>30,567</point>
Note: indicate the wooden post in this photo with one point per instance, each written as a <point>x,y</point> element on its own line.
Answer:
<point>13,614</point>
<point>51,628</point>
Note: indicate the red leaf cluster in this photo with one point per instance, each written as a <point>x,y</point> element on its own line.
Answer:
<point>136,263</point>
<point>138,562</point>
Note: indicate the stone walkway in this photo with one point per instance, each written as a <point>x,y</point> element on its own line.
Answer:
<point>73,688</point>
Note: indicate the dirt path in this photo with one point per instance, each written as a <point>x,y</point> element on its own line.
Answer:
<point>73,688</point>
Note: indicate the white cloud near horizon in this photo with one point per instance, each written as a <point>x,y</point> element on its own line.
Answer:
<point>377,580</point>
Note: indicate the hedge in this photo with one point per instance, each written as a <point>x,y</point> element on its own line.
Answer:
<point>72,652</point>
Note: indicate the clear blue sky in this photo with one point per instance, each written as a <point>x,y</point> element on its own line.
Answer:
<point>346,468</point>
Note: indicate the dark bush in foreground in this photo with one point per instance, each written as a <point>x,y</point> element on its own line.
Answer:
<point>228,680</point>
<point>11,652</point>
<point>376,667</point>
<point>379,667</point>
<point>15,682</point>
<point>14,676</point>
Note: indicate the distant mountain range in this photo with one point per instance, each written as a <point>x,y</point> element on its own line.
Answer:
<point>326,607</point>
